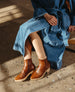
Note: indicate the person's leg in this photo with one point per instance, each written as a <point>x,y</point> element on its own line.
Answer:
<point>37,44</point>
<point>28,65</point>
<point>28,49</point>
<point>25,29</point>
<point>44,65</point>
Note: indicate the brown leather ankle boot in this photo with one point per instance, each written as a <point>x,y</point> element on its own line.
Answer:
<point>26,71</point>
<point>43,68</point>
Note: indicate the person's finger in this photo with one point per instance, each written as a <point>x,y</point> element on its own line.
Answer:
<point>54,20</point>
<point>52,23</point>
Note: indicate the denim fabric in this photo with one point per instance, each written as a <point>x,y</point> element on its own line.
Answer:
<point>72,13</point>
<point>54,38</point>
<point>45,6</point>
<point>25,30</point>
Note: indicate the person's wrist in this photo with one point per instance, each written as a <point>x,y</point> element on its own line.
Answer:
<point>45,15</point>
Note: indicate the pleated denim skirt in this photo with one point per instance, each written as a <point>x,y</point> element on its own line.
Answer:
<point>54,38</point>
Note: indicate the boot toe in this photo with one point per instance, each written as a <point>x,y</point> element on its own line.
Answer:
<point>33,76</point>
<point>17,77</point>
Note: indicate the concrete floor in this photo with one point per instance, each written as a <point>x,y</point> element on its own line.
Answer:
<point>11,62</point>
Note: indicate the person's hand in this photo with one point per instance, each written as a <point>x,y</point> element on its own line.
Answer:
<point>71,28</point>
<point>52,20</point>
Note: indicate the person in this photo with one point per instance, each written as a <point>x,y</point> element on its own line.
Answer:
<point>47,34</point>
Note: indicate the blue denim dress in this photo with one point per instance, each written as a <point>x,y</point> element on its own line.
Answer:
<point>54,38</point>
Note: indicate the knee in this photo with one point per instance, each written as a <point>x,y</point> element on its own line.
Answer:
<point>33,35</point>
<point>25,26</point>
<point>22,26</point>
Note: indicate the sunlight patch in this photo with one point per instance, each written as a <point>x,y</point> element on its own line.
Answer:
<point>9,13</point>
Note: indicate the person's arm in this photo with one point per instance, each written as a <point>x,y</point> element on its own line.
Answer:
<point>72,15</point>
<point>52,20</point>
<point>38,10</point>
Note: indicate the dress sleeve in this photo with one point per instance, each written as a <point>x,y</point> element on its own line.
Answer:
<point>72,13</point>
<point>39,11</point>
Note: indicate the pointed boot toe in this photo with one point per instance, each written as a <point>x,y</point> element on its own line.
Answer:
<point>26,71</point>
<point>43,68</point>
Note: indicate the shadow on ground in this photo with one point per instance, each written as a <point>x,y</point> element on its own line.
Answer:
<point>9,29</point>
<point>12,15</point>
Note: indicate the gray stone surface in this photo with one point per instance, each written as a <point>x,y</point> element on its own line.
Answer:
<point>62,80</point>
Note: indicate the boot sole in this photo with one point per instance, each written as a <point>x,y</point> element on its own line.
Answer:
<point>47,71</point>
<point>21,80</point>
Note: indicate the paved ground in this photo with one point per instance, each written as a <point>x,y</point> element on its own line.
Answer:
<point>12,14</point>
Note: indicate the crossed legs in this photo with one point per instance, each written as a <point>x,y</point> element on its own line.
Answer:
<point>44,65</point>
<point>37,44</point>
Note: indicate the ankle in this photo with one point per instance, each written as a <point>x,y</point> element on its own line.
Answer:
<point>43,59</point>
<point>42,62</point>
<point>45,62</point>
<point>28,60</point>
